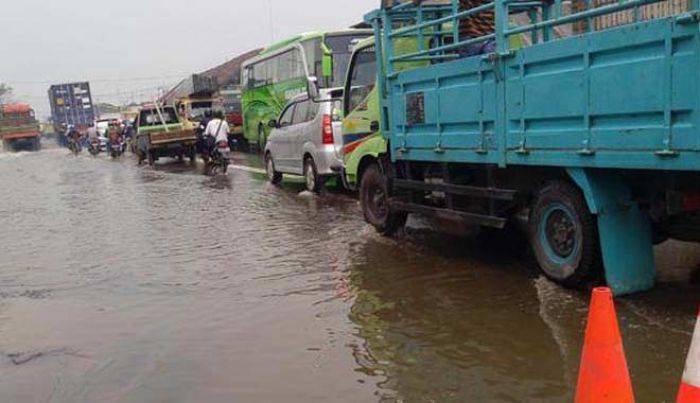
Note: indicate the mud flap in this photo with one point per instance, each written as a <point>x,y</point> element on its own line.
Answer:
<point>624,230</point>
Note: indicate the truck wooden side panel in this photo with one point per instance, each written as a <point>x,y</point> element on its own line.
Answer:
<point>626,97</point>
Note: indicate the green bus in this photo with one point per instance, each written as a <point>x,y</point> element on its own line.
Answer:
<point>282,71</point>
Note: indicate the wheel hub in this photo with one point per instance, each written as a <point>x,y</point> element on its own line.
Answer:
<point>561,233</point>
<point>378,199</point>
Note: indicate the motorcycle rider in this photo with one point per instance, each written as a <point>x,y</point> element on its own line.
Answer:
<point>216,131</point>
<point>93,140</point>
<point>201,146</point>
<point>73,136</point>
<point>115,136</point>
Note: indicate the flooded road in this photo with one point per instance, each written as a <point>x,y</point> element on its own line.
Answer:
<point>126,283</point>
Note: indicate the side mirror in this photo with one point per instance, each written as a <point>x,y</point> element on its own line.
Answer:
<point>272,124</point>
<point>312,88</point>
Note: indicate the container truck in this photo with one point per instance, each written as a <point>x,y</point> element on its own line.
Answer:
<point>19,128</point>
<point>71,105</point>
<point>591,142</point>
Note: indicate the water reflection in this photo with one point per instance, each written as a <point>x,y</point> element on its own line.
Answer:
<point>456,329</point>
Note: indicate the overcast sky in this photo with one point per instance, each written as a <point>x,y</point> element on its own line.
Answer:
<point>129,48</point>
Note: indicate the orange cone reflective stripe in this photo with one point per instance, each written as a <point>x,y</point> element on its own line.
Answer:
<point>690,386</point>
<point>603,375</point>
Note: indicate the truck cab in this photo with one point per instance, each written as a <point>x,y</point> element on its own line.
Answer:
<point>160,133</point>
<point>19,128</point>
<point>191,111</point>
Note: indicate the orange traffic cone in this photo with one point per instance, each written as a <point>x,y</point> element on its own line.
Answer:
<point>690,386</point>
<point>603,375</point>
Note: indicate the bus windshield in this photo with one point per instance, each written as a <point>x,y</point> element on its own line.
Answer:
<point>341,46</point>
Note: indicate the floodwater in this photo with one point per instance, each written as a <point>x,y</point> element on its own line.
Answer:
<point>137,284</point>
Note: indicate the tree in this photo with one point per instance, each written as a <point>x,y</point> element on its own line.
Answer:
<point>5,92</point>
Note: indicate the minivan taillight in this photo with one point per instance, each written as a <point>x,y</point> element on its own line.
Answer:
<point>327,129</point>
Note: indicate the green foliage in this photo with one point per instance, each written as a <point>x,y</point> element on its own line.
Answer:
<point>5,92</point>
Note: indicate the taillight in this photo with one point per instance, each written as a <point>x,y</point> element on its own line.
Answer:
<point>327,130</point>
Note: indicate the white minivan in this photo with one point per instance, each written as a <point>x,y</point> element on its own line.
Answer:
<point>307,140</point>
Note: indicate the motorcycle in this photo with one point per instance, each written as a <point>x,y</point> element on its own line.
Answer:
<point>94,147</point>
<point>74,146</point>
<point>219,159</point>
<point>116,148</point>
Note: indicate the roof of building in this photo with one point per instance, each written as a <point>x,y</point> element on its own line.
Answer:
<point>230,72</point>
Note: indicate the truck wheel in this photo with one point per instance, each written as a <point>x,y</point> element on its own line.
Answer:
<point>273,176</point>
<point>564,235</point>
<point>374,197</point>
<point>314,182</point>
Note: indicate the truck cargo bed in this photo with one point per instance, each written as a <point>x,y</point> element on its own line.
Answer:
<point>626,97</point>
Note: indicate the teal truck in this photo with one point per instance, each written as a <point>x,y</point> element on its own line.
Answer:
<point>591,140</point>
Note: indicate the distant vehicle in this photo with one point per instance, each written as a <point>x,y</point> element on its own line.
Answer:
<point>231,101</point>
<point>219,159</point>
<point>307,140</point>
<point>19,128</point>
<point>94,148</point>
<point>283,71</point>
<point>71,104</point>
<point>116,149</point>
<point>102,126</point>
<point>159,133</point>
<point>192,98</point>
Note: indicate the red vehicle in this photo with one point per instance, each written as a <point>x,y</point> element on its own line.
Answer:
<point>231,99</point>
<point>19,128</point>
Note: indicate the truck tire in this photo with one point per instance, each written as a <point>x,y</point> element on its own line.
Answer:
<point>192,154</point>
<point>374,198</point>
<point>564,235</point>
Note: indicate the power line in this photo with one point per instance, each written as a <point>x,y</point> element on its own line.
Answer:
<point>98,80</point>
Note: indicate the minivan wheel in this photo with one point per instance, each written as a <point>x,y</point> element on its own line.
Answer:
<point>314,182</point>
<point>374,199</point>
<point>273,176</point>
<point>564,235</point>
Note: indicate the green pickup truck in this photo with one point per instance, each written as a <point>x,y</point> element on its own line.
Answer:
<point>159,133</point>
